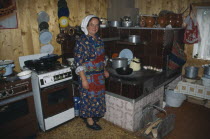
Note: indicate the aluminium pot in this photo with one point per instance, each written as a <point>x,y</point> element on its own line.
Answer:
<point>115,23</point>
<point>134,38</point>
<point>206,70</point>
<point>7,65</point>
<point>119,62</point>
<point>191,72</point>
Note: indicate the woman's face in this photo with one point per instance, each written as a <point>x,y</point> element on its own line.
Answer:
<point>93,27</point>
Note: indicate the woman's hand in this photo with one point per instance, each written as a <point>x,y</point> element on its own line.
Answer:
<point>106,73</point>
<point>85,84</point>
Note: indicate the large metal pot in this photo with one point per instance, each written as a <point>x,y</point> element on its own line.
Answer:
<point>191,72</point>
<point>134,38</point>
<point>119,62</point>
<point>115,23</point>
<point>127,24</point>
<point>206,70</point>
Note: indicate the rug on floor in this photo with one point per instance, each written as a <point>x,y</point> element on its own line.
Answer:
<point>76,129</point>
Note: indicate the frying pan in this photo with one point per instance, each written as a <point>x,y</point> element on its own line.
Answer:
<point>50,58</point>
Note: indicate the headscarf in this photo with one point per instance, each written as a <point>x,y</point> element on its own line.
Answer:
<point>85,23</point>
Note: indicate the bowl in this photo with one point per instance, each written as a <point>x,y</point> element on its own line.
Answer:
<point>24,74</point>
<point>124,70</point>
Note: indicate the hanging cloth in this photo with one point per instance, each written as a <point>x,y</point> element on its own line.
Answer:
<point>191,34</point>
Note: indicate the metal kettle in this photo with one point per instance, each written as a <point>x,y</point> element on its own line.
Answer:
<point>126,18</point>
<point>135,64</point>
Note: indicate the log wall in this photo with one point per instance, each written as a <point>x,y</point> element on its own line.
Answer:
<point>25,39</point>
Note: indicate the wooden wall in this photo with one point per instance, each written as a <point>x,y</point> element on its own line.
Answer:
<point>25,39</point>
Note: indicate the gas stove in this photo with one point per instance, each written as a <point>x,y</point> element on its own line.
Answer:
<point>52,90</point>
<point>53,77</point>
<point>47,75</point>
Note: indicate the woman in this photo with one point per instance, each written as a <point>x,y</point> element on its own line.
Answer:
<point>90,62</point>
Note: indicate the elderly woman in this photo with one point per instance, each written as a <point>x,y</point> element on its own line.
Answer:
<point>90,61</point>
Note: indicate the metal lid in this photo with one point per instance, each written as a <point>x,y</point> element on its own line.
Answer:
<point>43,17</point>
<point>45,36</point>
<point>6,62</point>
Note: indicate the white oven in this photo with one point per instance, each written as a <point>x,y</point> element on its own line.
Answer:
<point>53,96</point>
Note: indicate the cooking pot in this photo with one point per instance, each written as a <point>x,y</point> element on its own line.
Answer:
<point>50,58</point>
<point>7,65</point>
<point>126,18</point>
<point>191,72</point>
<point>115,23</point>
<point>127,23</point>
<point>134,38</point>
<point>135,64</point>
<point>206,69</point>
<point>119,62</point>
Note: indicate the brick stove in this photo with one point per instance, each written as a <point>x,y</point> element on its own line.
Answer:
<point>127,112</point>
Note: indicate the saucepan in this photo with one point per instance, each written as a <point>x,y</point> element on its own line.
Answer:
<point>191,72</point>
<point>115,23</point>
<point>134,38</point>
<point>119,62</point>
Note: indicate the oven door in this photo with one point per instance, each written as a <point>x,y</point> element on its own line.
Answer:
<point>57,98</point>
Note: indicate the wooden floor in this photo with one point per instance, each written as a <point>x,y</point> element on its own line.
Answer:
<point>192,122</point>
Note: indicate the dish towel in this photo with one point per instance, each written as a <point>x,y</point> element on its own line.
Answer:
<point>177,58</point>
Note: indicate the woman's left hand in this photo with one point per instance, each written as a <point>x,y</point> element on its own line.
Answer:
<point>106,74</point>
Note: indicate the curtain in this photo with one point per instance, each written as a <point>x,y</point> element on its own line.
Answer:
<point>203,19</point>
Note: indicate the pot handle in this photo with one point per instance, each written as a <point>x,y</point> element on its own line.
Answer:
<point>13,65</point>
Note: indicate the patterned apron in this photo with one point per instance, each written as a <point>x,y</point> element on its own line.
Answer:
<point>92,102</point>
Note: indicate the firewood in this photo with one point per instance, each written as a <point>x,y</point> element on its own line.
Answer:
<point>149,129</point>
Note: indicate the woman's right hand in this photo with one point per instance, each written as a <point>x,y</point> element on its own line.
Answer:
<point>85,84</point>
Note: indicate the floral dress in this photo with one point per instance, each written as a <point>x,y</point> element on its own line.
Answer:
<point>89,56</point>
